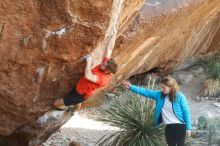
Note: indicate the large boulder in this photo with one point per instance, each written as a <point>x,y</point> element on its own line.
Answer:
<point>41,42</point>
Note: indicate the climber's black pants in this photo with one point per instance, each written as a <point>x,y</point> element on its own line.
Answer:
<point>175,134</point>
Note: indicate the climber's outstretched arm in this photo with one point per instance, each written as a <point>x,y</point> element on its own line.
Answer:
<point>109,43</point>
<point>88,70</point>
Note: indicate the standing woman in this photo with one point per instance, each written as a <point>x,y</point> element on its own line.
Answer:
<point>171,109</point>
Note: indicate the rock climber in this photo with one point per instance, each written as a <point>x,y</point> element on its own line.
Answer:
<point>93,79</point>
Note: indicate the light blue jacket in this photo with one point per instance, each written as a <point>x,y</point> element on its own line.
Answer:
<point>180,104</point>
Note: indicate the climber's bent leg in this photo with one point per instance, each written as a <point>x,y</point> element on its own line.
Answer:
<point>59,104</point>
<point>72,98</point>
<point>77,107</point>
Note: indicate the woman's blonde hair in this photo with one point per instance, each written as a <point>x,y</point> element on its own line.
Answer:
<point>169,81</point>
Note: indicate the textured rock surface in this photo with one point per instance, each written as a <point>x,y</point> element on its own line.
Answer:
<point>41,42</point>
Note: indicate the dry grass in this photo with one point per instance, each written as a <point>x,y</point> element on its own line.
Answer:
<point>211,88</point>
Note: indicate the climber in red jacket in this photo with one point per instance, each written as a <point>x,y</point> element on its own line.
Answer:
<point>94,78</point>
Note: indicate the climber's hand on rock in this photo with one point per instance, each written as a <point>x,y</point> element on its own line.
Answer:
<point>84,58</point>
<point>88,58</point>
<point>126,84</point>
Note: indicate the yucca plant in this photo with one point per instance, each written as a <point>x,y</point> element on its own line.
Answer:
<point>134,117</point>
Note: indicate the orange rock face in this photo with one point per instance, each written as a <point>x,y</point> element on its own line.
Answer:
<point>41,43</point>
